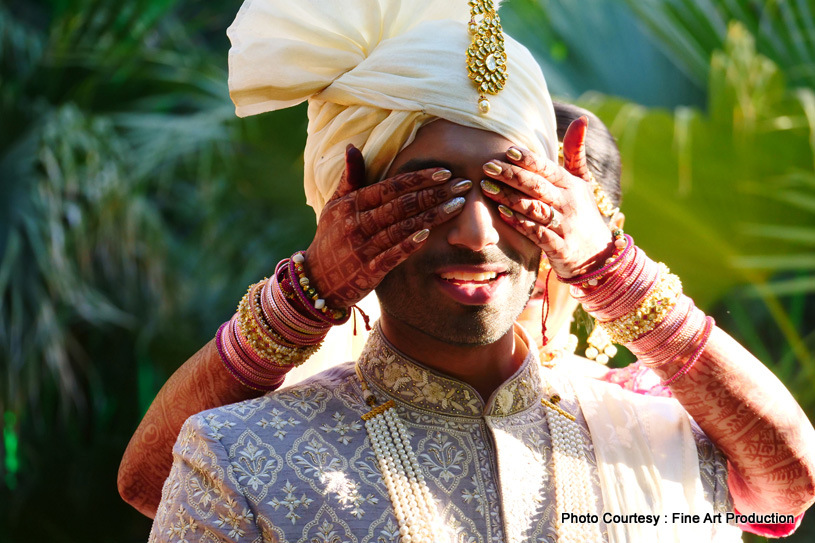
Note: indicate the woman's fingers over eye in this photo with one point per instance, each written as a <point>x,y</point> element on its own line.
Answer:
<point>417,201</point>
<point>544,170</point>
<point>388,189</point>
<point>526,158</point>
<point>410,226</point>
<point>533,208</point>
<point>522,185</point>
<point>411,204</point>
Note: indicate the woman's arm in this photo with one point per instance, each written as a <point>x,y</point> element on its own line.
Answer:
<point>749,414</point>
<point>202,382</point>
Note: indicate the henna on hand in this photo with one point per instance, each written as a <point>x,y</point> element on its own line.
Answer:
<point>366,231</point>
<point>574,148</point>
<point>552,206</point>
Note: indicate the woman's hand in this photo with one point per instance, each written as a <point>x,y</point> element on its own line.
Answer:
<point>365,232</point>
<point>552,205</point>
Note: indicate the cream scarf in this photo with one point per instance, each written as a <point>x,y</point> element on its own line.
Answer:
<point>647,461</point>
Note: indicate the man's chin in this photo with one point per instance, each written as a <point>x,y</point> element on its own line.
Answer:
<point>424,309</point>
<point>477,329</point>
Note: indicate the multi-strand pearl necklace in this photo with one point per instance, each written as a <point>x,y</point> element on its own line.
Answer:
<point>573,488</point>
<point>413,505</point>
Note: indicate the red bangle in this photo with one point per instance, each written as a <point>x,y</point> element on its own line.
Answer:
<point>586,277</point>
<point>634,293</point>
<point>683,340</point>
<point>597,298</point>
<point>227,360</point>
<point>709,322</point>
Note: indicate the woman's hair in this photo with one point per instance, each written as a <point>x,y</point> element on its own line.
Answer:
<point>601,149</point>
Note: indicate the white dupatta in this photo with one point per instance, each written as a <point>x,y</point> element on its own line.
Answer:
<point>648,464</point>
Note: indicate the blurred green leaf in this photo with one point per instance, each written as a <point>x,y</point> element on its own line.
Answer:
<point>785,287</point>
<point>696,174</point>
<point>598,45</point>
<point>690,31</point>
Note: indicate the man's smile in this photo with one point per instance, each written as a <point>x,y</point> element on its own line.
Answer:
<point>468,277</point>
<point>472,285</point>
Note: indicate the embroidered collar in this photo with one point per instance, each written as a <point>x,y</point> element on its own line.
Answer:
<point>408,381</point>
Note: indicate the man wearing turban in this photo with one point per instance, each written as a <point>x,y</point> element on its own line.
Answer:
<point>447,428</point>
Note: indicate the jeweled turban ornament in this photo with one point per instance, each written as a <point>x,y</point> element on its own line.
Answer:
<point>486,56</point>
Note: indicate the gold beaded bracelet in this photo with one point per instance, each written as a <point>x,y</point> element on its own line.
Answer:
<point>275,351</point>
<point>651,311</point>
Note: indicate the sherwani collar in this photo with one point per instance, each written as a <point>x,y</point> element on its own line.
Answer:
<point>406,380</point>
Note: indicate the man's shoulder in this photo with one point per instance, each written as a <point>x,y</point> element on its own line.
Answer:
<point>632,383</point>
<point>284,414</point>
<point>593,384</point>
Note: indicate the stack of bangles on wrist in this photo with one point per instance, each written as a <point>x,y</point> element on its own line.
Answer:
<point>640,304</point>
<point>281,321</point>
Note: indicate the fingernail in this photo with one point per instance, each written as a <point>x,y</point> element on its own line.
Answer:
<point>421,235</point>
<point>514,154</point>
<point>492,168</point>
<point>505,211</point>
<point>453,205</point>
<point>489,187</point>
<point>462,186</point>
<point>442,175</point>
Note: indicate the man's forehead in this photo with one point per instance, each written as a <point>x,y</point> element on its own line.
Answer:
<point>419,163</point>
<point>444,144</point>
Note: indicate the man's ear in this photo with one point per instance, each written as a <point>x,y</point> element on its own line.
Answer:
<point>616,221</point>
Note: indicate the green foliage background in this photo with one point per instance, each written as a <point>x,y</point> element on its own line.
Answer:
<point>136,207</point>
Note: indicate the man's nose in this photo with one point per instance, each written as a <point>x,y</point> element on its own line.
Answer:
<point>475,228</point>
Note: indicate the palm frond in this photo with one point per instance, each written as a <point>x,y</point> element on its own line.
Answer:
<point>709,178</point>
<point>691,31</point>
<point>602,48</point>
<point>80,247</point>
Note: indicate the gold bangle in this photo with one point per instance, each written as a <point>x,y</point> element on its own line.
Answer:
<point>651,311</point>
<point>275,351</point>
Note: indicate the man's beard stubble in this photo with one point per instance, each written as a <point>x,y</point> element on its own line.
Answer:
<point>400,298</point>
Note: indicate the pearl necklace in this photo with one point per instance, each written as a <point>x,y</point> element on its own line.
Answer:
<point>413,505</point>
<point>573,488</point>
<point>415,508</point>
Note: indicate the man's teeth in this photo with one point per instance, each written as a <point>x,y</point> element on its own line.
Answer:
<point>469,277</point>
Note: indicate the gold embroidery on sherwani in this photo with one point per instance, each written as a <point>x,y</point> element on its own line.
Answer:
<point>422,387</point>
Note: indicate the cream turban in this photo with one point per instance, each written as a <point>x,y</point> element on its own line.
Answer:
<point>375,71</point>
